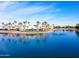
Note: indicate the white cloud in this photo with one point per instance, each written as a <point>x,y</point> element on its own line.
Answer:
<point>34,13</point>
<point>4,5</point>
<point>17,14</point>
<point>33,9</point>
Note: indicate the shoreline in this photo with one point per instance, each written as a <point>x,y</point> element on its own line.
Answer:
<point>19,32</point>
<point>28,32</point>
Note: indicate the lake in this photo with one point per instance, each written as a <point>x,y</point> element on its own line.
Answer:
<point>57,44</point>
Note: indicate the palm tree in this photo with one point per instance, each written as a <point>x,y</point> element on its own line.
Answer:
<point>9,25</point>
<point>15,24</point>
<point>45,25</point>
<point>37,25</point>
<point>28,24</point>
<point>3,24</point>
<point>24,25</point>
<point>15,21</point>
<point>20,25</point>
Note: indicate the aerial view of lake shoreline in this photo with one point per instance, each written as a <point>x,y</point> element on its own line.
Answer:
<point>39,29</point>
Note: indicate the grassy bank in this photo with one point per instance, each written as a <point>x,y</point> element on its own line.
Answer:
<point>23,32</point>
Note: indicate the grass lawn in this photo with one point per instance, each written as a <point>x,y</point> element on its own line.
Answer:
<point>23,32</point>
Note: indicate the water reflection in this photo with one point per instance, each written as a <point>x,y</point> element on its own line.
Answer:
<point>45,38</point>
<point>38,39</point>
<point>24,38</point>
<point>3,39</point>
<point>77,33</point>
<point>56,40</point>
<point>9,39</point>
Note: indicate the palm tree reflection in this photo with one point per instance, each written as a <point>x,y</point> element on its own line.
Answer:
<point>41,39</point>
<point>3,39</point>
<point>25,39</point>
<point>45,38</point>
<point>38,39</point>
<point>9,39</point>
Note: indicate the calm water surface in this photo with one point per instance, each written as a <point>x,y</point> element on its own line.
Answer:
<point>52,44</point>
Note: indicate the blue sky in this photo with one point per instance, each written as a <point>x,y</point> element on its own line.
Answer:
<point>58,13</point>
